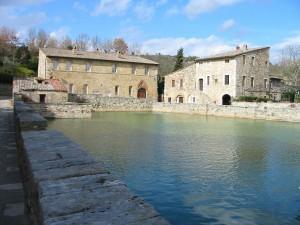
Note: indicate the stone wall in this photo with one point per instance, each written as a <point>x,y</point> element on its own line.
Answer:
<point>101,80</point>
<point>64,185</point>
<point>267,111</point>
<point>100,103</point>
<point>66,110</point>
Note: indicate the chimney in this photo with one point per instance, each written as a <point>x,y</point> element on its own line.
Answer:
<point>118,54</point>
<point>245,47</point>
<point>74,50</point>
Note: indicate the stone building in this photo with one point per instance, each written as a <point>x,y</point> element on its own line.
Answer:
<point>40,91</point>
<point>221,78</point>
<point>105,74</point>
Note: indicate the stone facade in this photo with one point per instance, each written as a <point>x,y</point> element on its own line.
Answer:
<point>105,74</point>
<point>120,104</point>
<point>265,111</point>
<point>221,78</point>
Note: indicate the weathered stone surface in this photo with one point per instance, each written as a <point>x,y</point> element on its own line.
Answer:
<point>65,185</point>
<point>31,121</point>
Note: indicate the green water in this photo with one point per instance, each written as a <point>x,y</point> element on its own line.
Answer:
<point>199,170</point>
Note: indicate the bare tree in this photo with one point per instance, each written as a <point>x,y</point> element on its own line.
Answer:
<point>31,40</point>
<point>66,43</point>
<point>134,48</point>
<point>96,43</point>
<point>120,45</point>
<point>82,41</point>
<point>106,45</point>
<point>290,63</point>
<point>8,42</point>
<point>52,42</point>
<point>42,38</point>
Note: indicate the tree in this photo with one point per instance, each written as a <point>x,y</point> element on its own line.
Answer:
<point>8,42</point>
<point>82,41</point>
<point>134,48</point>
<point>23,55</point>
<point>31,40</point>
<point>96,43</point>
<point>107,45</point>
<point>52,42</point>
<point>42,38</point>
<point>290,63</point>
<point>179,60</point>
<point>120,45</point>
<point>66,43</point>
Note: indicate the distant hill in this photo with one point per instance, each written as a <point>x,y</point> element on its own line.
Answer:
<point>167,62</point>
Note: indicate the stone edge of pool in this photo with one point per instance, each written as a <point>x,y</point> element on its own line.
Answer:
<point>65,185</point>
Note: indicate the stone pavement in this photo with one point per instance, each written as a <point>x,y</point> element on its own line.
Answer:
<point>11,188</point>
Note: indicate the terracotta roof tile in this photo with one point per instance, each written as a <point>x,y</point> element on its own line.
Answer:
<point>55,52</point>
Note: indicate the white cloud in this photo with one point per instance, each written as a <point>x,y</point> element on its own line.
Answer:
<point>196,7</point>
<point>277,48</point>
<point>79,6</point>
<point>228,24</point>
<point>144,11</point>
<point>173,11</point>
<point>111,7</point>
<point>192,46</point>
<point>21,2</point>
<point>60,33</point>
<point>18,20</point>
<point>161,2</point>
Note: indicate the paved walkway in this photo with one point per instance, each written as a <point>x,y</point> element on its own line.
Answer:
<point>11,188</point>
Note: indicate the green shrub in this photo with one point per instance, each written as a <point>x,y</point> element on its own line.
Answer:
<point>288,95</point>
<point>247,98</point>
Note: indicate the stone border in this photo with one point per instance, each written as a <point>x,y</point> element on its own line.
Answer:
<point>64,185</point>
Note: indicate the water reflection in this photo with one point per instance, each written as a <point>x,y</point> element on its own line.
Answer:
<point>200,170</point>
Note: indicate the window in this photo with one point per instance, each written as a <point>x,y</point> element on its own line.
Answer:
<point>169,100</point>
<point>266,83</point>
<point>252,60</point>
<point>85,89</point>
<point>244,59</point>
<point>55,64</point>
<point>117,90</point>
<point>252,82</point>
<point>194,99</point>
<point>201,84</point>
<point>208,80</point>
<point>173,83</point>
<point>71,88</point>
<point>130,91</point>
<point>226,81</point>
<point>133,69</point>
<point>226,60</point>
<point>114,68</point>
<point>42,98</point>
<point>146,70</point>
<point>88,67</point>
<point>69,65</point>
<point>244,81</point>
<point>181,83</point>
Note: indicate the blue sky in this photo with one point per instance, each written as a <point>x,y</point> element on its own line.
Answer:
<point>202,27</point>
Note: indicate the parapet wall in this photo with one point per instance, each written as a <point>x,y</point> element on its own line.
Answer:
<point>103,103</point>
<point>64,185</point>
<point>267,111</point>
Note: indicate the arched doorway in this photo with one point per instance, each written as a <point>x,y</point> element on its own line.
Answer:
<point>226,99</point>
<point>141,93</point>
<point>179,99</point>
<point>142,89</point>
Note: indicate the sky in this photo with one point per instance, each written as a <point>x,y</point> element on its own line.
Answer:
<point>201,27</point>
